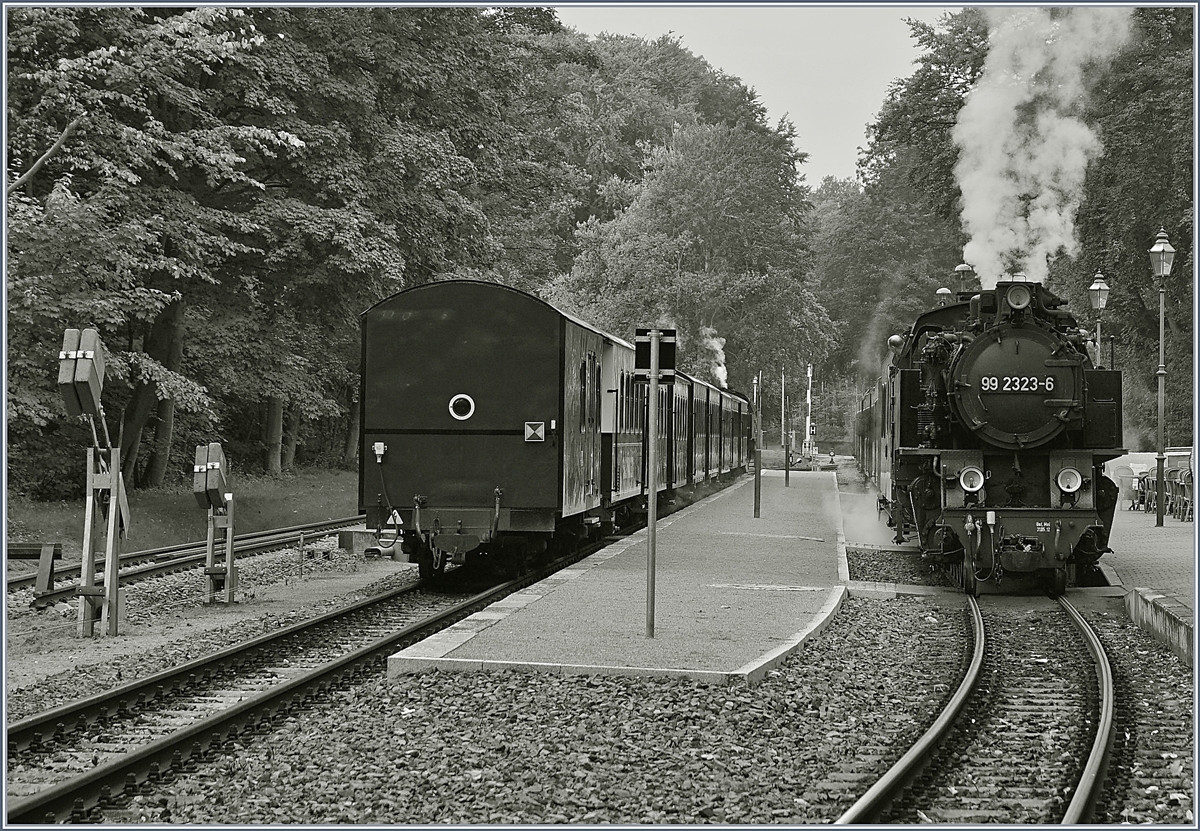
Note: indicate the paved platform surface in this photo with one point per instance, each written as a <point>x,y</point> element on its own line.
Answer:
<point>734,595</point>
<point>1158,558</point>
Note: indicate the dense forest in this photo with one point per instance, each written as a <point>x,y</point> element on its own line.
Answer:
<point>222,192</point>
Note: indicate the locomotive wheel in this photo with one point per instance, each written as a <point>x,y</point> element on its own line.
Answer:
<point>968,575</point>
<point>1058,581</point>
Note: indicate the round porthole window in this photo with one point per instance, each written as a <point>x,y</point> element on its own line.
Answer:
<point>462,406</point>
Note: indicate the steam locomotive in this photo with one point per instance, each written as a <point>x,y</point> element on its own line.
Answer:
<point>987,438</point>
<point>497,426</point>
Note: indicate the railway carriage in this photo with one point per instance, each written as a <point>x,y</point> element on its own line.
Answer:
<point>988,435</point>
<point>495,424</point>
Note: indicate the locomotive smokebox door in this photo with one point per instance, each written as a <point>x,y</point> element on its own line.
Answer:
<point>1014,387</point>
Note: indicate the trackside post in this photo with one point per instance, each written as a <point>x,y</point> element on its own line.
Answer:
<point>758,445</point>
<point>647,362</point>
<point>81,385</point>
<point>208,486</point>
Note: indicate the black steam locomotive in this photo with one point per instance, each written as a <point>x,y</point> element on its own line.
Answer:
<point>987,439</point>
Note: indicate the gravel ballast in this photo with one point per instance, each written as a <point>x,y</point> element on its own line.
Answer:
<point>510,747</point>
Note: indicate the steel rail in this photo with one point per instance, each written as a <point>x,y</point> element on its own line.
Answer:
<point>181,555</point>
<point>166,754</point>
<point>23,733</point>
<point>880,795</point>
<point>1091,782</point>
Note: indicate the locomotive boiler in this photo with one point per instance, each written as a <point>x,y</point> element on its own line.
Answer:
<point>987,438</point>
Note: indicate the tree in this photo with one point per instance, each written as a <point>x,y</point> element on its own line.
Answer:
<point>713,244</point>
<point>126,187</point>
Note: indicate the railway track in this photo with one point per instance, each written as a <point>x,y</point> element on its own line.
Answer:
<point>84,761</point>
<point>155,562</point>
<point>1024,739</point>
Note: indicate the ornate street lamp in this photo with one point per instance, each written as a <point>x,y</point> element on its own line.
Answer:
<point>1098,294</point>
<point>1162,255</point>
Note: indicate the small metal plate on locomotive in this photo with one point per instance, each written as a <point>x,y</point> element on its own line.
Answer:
<point>1014,388</point>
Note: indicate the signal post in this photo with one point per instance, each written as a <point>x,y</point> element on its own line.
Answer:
<point>654,361</point>
<point>81,384</point>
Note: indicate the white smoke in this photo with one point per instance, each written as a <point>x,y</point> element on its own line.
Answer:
<point>1023,148</point>
<point>710,341</point>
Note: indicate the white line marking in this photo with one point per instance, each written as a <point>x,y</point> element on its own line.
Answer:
<point>768,588</point>
<point>771,536</point>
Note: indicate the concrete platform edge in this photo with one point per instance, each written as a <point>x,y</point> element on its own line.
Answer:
<point>754,671</point>
<point>1164,618</point>
<point>410,661</point>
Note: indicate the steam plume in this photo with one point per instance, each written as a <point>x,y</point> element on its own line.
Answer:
<point>710,341</point>
<point>1024,149</point>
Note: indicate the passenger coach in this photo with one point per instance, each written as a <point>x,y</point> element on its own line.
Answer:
<point>494,423</point>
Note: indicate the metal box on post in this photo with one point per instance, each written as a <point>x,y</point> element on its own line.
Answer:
<point>199,475</point>
<point>89,371</point>
<point>215,481</point>
<point>209,475</point>
<point>81,371</point>
<point>66,372</point>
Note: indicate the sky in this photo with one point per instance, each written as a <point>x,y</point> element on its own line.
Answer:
<point>827,68</point>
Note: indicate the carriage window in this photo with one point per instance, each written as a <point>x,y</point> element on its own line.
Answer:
<point>618,410</point>
<point>596,397</point>
<point>583,396</point>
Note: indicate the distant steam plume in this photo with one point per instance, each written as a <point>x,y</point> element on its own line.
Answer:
<point>715,345</point>
<point>1023,148</point>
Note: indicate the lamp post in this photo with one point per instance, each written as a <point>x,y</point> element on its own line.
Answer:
<point>1098,293</point>
<point>1162,255</point>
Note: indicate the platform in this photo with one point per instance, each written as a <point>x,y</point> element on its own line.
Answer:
<point>734,595</point>
<point>1157,568</point>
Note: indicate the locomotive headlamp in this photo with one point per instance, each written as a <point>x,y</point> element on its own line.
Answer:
<point>971,479</point>
<point>1069,480</point>
<point>1018,296</point>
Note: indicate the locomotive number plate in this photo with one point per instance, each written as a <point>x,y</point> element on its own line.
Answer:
<point>1016,383</point>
